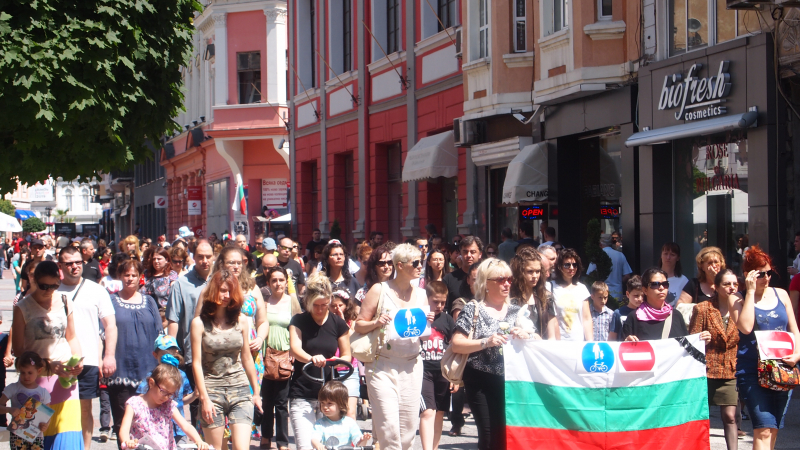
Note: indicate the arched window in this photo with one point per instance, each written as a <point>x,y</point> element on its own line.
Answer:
<point>85,199</point>
<point>68,197</point>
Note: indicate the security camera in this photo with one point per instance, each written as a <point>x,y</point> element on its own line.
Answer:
<point>520,117</point>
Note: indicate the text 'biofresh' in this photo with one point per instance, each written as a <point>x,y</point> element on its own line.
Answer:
<point>696,97</point>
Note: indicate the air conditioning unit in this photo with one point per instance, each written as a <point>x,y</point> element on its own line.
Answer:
<point>458,43</point>
<point>469,132</point>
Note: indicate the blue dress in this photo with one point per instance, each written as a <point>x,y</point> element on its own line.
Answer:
<point>138,326</point>
<point>767,407</point>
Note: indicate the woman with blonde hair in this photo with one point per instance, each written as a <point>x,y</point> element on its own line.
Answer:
<point>394,379</point>
<point>314,336</point>
<point>700,289</point>
<point>484,374</point>
<point>130,246</point>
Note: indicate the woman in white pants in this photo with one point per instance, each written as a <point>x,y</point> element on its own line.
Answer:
<point>394,379</point>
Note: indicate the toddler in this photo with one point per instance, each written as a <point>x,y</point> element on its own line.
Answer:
<point>335,428</point>
<point>29,367</point>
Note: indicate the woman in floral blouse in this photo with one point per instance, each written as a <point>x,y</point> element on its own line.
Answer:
<point>712,320</point>
<point>158,278</point>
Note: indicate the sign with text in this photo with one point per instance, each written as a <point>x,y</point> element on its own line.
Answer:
<point>696,97</point>
<point>609,211</point>
<point>533,212</point>
<point>274,192</point>
<point>195,198</point>
<point>67,229</point>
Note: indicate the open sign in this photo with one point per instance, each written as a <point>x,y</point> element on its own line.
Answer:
<point>609,211</point>
<point>532,212</point>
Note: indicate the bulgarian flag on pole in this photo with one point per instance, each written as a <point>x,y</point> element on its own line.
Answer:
<point>239,202</point>
<point>606,395</point>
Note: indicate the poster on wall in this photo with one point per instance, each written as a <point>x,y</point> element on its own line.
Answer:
<point>160,201</point>
<point>195,197</point>
<point>274,192</point>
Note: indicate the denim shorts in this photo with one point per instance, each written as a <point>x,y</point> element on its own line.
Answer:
<point>353,384</point>
<point>235,403</point>
<point>767,408</point>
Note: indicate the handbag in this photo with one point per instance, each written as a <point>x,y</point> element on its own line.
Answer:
<point>776,375</point>
<point>278,365</point>
<point>364,347</point>
<point>453,363</point>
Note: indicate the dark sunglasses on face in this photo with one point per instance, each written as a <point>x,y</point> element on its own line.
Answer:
<point>768,273</point>
<point>502,280</point>
<point>416,263</point>
<point>570,265</point>
<point>72,263</point>
<point>177,261</point>
<point>658,284</point>
<point>48,287</point>
<point>384,264</point>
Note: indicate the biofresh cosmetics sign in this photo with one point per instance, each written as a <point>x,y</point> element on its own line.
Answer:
<point>696,97</point>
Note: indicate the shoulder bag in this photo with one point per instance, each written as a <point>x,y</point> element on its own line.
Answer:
<point>278,365</point>
<point>364,347</point>
<point>453,363</point>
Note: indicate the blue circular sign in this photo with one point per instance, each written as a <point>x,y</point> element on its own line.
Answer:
<point>410,322</point>
<point>597,357</point>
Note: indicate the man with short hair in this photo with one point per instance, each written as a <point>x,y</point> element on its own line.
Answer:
<point>506,249</point>
<point>375,239</point>
<point>92,305</point>
<point>241,242</point>
<point>549,236</point>
<point>292,267</point>
<point>548,262</point>
<point>269,261</point>
<point>526,233</point>
<point>91,267</point>
<point>471,248</point>
<point>435,242</point>
<point>259,251</point>
<point>315,240</point>
<point>37,256</point>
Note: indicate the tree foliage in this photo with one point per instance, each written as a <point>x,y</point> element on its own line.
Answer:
<point>85,83</point>
<point>6,207</point>
<point>33,225</point>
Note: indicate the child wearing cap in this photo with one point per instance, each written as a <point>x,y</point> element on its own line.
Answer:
<point>166,350</point>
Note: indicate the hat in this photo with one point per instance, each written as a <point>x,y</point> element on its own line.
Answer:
<point>37,242</point>
<point>165,342</point>
<point>185,232</point>
<point>269,244</point>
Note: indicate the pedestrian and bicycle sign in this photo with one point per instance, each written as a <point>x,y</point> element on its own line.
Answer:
<point>409,323</point>
<point>613,357</point>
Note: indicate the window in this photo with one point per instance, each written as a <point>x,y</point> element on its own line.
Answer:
<point>68,198</point>
<point>394,178</point>
<point>217,196</point>
<point>248,66</point>
<point>392,26</point>
<point>313,52</point>
<point>446,9</point>
<point>347,35</point>
<point>695,24</point>
<point>85,199</point>
<point>603,9</point>
<point>560,13</point>
<point>483,28</point>
<point>519,26</point>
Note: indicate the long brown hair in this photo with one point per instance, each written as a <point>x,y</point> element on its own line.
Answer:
<point>246,282</point>
<point>211,300</point>
<point>164,253</point>
<point>519,288</point>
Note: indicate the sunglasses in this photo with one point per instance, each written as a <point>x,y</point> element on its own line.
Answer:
<point>177,261</point>
<point>48,287</point>
<point>416,263</point>
<point>72,263</point>
<point>502,280</point>
<point>768,273</point>
<point>570,265</point>
<point>286,248</point>
<point>658,284</point>
<point>384,264</point>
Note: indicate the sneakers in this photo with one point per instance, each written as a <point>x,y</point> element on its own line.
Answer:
<point>112,436</point>
<point>103,435</point>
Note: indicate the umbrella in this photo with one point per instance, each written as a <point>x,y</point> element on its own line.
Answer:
<point>8,223</point>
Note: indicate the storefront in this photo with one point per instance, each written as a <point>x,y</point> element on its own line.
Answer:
<point>707,154</point>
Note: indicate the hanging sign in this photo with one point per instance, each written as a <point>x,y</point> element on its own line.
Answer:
<point>696,97</point>
<point>274,192</point>
<point>195,198</point>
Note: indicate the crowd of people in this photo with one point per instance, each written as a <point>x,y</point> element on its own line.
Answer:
<point>243,334</point>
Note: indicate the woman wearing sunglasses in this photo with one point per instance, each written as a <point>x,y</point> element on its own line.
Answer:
<point>484,374</point>
<point>51,334</point>
<point>178,257</point>
<point>647,322</point>
<point>712,320</point>
<point>570,295</point>
<point>394,379</point>
<point>763,308</point>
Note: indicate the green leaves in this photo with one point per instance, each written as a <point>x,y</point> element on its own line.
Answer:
<point>84,84</point>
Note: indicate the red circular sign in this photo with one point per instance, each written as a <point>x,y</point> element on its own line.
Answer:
<point>637,356</point>
<point>161,201</point>
<point>775,344</point>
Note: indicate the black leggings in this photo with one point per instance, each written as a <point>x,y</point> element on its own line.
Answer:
<point>486,395</point>
<point>274,398</point>
<point>117,396</point>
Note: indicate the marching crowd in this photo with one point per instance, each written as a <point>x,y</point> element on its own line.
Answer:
<point>251,339</point>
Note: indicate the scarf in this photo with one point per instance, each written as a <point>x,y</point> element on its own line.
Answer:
<point>647,312</point>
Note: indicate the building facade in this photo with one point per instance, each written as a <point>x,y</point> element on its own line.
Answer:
<point>234,123</point>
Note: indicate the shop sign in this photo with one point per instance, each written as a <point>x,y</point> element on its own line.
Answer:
<point>696,97</point>
<point>275,192</point>
<point>608,190</point>
<point>721,181</point>
<point>532,212</point>
<point>160,201</point>
<point>194,195</point>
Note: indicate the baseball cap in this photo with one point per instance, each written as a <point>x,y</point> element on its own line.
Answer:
<point>165,342</point>
<point>269,244</point>
<point>37,242</point>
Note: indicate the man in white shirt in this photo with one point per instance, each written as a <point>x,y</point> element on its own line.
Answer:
<point>92,306</point>
<point>620,268</point>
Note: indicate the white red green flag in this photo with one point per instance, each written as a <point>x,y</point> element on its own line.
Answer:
<point>239,202</point>
<point>606,395</point>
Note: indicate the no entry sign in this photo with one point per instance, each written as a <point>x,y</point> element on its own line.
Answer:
<point>774,344</point>
<point>637,356</point>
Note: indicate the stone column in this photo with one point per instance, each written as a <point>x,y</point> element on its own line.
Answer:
<point>276,55</point>
<point>220,59</point>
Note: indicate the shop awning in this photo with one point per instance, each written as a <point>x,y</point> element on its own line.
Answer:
<point>433,156</point>
<point>9,224</point>
<point>699,128</point>
<point>526,178</point>
<point>24,214</point>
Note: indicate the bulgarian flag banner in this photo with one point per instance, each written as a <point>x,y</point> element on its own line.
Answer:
<point>606,395</point>
<point>239,202</point>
